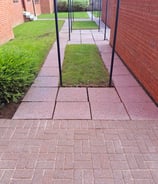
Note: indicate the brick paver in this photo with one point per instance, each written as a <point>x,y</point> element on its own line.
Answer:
<point>78,152</point>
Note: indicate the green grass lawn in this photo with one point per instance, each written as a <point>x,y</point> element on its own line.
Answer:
<point>84,25</point>
<point>64,15</point>
<point>22,57</point>
<point>83,66</point>
<point>96,13</point>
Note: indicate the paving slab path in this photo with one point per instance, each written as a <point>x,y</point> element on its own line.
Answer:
<point>125,101</point>
<point>66,151</point>
<point>78,152</point>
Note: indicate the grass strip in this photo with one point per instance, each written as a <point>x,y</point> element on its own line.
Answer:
<point>64,15</point>
<point>83,66</point>
<point>78,25</point>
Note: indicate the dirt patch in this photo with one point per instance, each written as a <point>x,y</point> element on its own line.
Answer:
<point>7,111</point>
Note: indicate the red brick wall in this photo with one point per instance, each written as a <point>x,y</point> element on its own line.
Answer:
<point>17,13</point>
<point>29,7</point>
<point>47,6</point>
<point>5,22</point>
<point>109,13</point>
<point>137,41</point>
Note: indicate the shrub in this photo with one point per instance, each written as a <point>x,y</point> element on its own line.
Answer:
<point>16,73</point>
<point>77,6</point>
<point>62,6</point>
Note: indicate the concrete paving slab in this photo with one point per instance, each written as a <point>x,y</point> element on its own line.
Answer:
<point>74,42</point>
<point>35,110</point>
<point>125,81</point>
<point>49,72</point>
<point>104,48</point>
<point>142,110</point>
<point>36,94</point>
<point>108,111</point>
<point>133,94</point>
<point>72,95</point>
<point>103,95</point>
<point>72,110</point>
<point>120,70</point>
<point>46,82</point>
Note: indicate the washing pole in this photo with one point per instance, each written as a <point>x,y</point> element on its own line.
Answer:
<point>100,2</point>
<point>106,17</point>
<point>92,10</point>
<point>58,42</point>
<point>114,41</point>
<point>69,21</point>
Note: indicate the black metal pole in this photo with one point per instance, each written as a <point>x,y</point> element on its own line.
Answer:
<point>99,15</point>
<point>106,17</point>
<point>34,9</point>
<point>58,43</point>
<point>73,10</point>
<point>71,15</point>
<point>92,9</point>
<point>69,23</point>
<point>114,41</point>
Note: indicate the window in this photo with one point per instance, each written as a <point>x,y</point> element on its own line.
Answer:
<point>15,1</point>
<point>36,1</point>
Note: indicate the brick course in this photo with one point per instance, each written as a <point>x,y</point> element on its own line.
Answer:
<point>16,13</point>
<point>137,40</point>
<point>5,22</point>
<point>46,6</point>
<point>29,7</point>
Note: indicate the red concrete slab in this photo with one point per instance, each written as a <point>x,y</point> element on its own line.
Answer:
<point>108,111</point>
<point>125,81</point>
<point>46,82</point>
<point>35,110</point>
<point>49,72</point>
<point>72,95</point>
<point>142,111</point>
<point>72,110</point>
<point>133,94</point>
<point>103,95</point>
<point>36,94</point>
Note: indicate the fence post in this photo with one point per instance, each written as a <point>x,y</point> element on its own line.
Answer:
<point>114,41</point>
<point>58,42</point>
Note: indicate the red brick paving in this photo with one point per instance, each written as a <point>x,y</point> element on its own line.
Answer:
<point>78,152</point>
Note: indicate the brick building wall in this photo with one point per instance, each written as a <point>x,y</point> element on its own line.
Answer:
<point>47,6</point>
<point>109,12</point>
<point>11,13</point>
<point>17,12</point>
<point>6,32</point>
<point>137,40</point>
<point>29,6</point>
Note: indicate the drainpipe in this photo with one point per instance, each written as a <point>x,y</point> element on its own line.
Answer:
<point>114,41</point>
<point>24,6</point>
<point>34,9</point>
